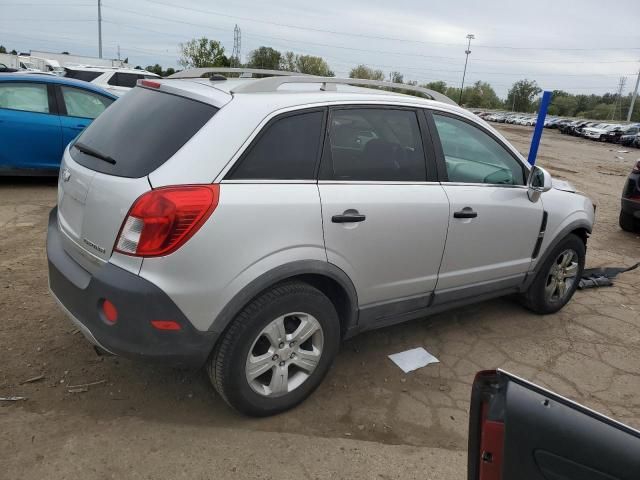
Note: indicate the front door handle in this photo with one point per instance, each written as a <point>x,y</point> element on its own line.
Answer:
<point>349,216</point>
<point>466,212</point>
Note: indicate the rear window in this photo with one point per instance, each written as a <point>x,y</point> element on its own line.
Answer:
<point>129,80</point>
<point>82,75</point>
<point>141,131</point>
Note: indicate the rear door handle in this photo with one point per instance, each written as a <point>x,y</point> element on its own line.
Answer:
<point>466,212</point>
<point>348,218</point>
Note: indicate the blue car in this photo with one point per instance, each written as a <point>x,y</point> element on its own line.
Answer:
<point>39,116</point>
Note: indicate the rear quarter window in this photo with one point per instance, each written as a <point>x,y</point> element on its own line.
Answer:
<point>141,132</point>
<point>288,148</point>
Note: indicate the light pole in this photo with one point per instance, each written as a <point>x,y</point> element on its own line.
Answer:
<point>467,51</point>
<point>100,28</point>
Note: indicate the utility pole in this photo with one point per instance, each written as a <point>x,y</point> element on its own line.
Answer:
<point>100,28</point>
<point>467,51</point>
<point>237,45</point>
<point>633,99</point>
<point>621,83</point>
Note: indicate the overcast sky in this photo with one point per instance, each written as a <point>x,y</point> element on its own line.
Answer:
<point>580,46</point>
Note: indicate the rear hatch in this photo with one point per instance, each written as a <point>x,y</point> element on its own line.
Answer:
<point>105,169</point>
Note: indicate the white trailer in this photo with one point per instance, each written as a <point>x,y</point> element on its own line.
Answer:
<point>70,60</point>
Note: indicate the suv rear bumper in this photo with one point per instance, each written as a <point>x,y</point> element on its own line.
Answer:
<point>138,302</point>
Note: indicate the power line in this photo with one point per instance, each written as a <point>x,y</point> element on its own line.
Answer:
<point>335,32</point>
<point>377,37</point>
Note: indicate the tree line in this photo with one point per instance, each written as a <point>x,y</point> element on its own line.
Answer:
<point>523,96</point>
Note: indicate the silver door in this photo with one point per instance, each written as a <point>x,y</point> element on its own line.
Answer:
<point>384,225</point>
<point>494,226</point>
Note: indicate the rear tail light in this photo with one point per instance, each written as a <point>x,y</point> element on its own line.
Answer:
<point>162,220</point>
<point>150,83</point>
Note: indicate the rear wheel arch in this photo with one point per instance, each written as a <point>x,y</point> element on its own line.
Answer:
<point>326,277</point>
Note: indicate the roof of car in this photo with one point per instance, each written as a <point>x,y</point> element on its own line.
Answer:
<point>44,78</point>
<point>293,94</point>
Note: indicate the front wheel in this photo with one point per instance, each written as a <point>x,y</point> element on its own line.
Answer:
<point>277,350</point>
<point>558,278</point>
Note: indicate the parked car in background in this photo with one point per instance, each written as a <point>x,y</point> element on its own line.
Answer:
<point>630,209</point>
<point>116,80</point>
<point>629,136</point>
<point>39,115</point>
<point>170,273</point>
<point>5,69</point>
<point>560,124</point>
<point>614,134</point>
<point>598,132</point>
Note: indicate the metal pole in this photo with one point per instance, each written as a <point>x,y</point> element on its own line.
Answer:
<point>537,133</point>
<point>633,99</point>
<point>100,28</point>
<point>464,73</point>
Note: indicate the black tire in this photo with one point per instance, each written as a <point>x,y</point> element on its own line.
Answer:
<point>226,366</point>
<point>535,298</point>
<point>628,222</point>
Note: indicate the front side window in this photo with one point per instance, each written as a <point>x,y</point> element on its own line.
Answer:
<point>288,149</point>
<point>81,103</point>
<point>374,144</point>
<point>473,156</point>
<point>28,97</point>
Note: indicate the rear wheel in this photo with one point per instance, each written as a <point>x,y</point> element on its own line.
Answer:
<point>277,350</point>
<point>628,222</point>
<point>558,278</point>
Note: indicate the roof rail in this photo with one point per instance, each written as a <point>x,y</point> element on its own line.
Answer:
<point>200,72</point>
<point>271,84</point>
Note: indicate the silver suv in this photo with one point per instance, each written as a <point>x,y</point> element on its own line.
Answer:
<point>250,225</point>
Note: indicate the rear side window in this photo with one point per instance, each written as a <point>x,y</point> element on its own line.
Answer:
<point>82,75</point>
<point>28,97</point>
<point>372,144</point>
<point>287,149</point>
<point>81,103</point>
<point>141,132</point>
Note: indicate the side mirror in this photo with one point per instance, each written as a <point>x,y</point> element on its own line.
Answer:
<point>539,181</point>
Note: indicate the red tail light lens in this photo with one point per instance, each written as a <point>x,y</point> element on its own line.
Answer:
<point>162,220</point>
<point>166,324</point>
<point>150,83</point>
<point>109,312</point>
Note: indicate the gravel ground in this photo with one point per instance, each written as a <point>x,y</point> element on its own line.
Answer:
<point>367,420</point>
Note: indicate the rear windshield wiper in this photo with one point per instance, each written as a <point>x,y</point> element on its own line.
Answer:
<point>94,153</point>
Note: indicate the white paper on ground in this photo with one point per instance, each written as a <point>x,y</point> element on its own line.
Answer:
<point>413,359</point>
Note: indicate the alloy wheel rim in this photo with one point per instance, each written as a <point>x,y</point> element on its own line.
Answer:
<point>284,354</point>
<point>562,276</point>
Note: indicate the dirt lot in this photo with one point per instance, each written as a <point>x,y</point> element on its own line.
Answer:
<point>367,420</point>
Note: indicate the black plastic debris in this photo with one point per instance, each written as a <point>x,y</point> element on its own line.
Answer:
<point>603,276</point>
